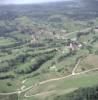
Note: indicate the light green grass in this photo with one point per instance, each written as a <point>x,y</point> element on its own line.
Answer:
<point>78,81</point>
<point>6,41</point>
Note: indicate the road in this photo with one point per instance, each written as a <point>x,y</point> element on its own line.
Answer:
<point>62,78</point>
<point>56,79</point>
<point>77,31</point>
<point>50,80</point>
<point>76,66</point>
<point>43,93</point>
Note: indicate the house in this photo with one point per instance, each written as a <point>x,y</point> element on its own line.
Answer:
<point>96,29</point>
<point>73,46</point>
<point>33,39</point>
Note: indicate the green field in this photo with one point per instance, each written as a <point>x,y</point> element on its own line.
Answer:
<point>64,86</point>
<point>39,51</point>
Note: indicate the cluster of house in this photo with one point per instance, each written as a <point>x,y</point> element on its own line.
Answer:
<point>73,46</point>
<point>34,39</point>
<point>50,34</point>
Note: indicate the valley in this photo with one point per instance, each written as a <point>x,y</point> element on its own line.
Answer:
<point>46,55</point>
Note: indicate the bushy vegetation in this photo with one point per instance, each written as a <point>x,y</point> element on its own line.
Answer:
<point>90,93</point>
<point>36,39</point>
<point>9,97</point>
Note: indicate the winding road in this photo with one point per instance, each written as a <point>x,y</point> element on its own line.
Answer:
<point>50,80</point>
<point>56,79</point>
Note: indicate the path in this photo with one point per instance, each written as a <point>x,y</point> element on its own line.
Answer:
<point>50,80</point>
<point>77,31</point>
<point>43,93</point>
<point>76,66</point>
<point>94,69</point>
<point>73,74</point>
<point>62,78</point>
<point>24,81</point>
<point>52,91</point>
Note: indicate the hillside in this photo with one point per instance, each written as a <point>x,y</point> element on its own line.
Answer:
<point>89,93</point>
<point>49,50</point>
